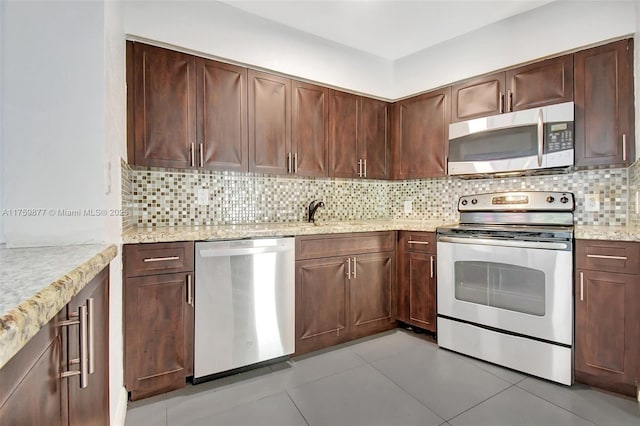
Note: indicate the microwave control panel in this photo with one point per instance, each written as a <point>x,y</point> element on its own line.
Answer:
<point>558,136</point>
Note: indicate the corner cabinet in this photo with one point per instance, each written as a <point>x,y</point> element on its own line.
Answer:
<point>604,121</point>
<point>358,137</point>
<point>607,329</point>
<point>185,111</point>
<point>529,86</point>
<point>417,279</point>
<point>421,135</point>
<point>32,390</point>
<point>345,286</point>
<point>158,317</point>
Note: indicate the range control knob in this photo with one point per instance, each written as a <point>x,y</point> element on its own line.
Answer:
<point>550,199</point>
<point>474,201</point>
<point>564,200</point>
<point>464,202</point>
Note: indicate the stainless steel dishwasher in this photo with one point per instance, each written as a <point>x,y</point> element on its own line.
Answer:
<point>244,304</point>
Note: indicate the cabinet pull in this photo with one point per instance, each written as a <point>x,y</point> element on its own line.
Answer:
<point>365,167</point>
<point>510,98</point>
<point>192,153</point>
<point>90,335</point>
<point>602,256</point>
<point>289,168</point>
<point>418,242</point>
<point>295,163</point>
<point>160,259</point>
<point>431,261</point>
<point>355,269</point>
<point>189,290</point>
<point>201,155</point>
<point>83,346</point>
<point>360,168</point>
<point>501,101</point>
<point>624,147</point>
<point>348,268</point>
<point>581,286</point>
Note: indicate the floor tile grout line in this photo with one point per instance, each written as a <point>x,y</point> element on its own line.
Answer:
<point>408,393</point>
<point>559,406</point>
<point>297,408</point>
<point>481,402</point>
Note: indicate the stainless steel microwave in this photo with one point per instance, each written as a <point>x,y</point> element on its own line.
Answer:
<point>517,142</point>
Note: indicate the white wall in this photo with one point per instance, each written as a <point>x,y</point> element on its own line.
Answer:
<point>223,31</point>
<point>53,120</point>
<point>636,69</point>
<point>547,30</point>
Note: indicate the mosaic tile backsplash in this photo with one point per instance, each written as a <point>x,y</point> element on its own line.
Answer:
<point>634,187</point>
<point>166,197</point>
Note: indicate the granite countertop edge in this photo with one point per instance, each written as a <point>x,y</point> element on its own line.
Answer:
<point>20,324</point>
<point>220,232</point>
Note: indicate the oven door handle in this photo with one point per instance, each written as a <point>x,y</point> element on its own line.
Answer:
<point>506,243</point>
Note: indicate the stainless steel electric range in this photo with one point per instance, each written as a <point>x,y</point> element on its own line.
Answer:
<point>505,282</point>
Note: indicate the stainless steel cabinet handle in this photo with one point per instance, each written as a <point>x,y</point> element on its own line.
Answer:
<point>510,101</point>
<point>192,153</point>
<point>624,147</point>
<point>501,100</point>
<point>365,167</point>
<point>159,259</point>
<point>348,268</point>
<point>355,268</point>
<point>289,166</point>
<point>295,162</point>
<point>360,168</point>
<point>602,256</point>
<point>201,155</point>
<point>431,266</point>
<point>189,290</point>
<point>540,137</point>
<point>90,335</point>
<point>581,286</point>
<point>83,347</point>
<point>418,242</point>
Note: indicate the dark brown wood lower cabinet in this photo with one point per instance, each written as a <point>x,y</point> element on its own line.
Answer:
<point>607,330</point>
<point>32,391</point>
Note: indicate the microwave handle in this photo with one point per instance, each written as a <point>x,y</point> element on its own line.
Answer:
<point>540,137</point>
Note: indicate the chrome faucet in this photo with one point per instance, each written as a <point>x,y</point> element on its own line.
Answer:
<point>313,206</point>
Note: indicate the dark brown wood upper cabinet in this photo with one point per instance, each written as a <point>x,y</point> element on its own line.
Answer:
<point>421,135</point>
<point>358,136</point>
<point>604,121</point>
<point>309,129</point>
<point>269,123</point>
<point>222,116</point>
<point>185,111</point>
<point>529,86</point>
<point>162,106</point>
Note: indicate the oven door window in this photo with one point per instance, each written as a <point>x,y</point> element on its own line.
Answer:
<point>511,287</point>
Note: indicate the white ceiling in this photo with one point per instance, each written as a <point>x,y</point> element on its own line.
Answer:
<point>390,29</point>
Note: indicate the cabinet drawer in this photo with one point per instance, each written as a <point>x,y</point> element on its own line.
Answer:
<point>611,256</point>
<point>158,258</point>
<point>419,242</point>
<point>317,246</point>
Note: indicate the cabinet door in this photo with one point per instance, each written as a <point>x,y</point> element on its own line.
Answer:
<point>373,138</point>
<point>420,276</point>
<point>222,114</point>
<point>422,134</point>
<point>163,94</point>
<point>343,134</point>
<point>156,320</point>
<point>269,123</point>
<point>90,405</point>
<point>310,129</point>
<point>320,303</point>
<point>604,113</point>
<point>31,391</point>
<point>371,290</point>
<point>478,97</point>
<point>542,83</point>
<point>607,331</point>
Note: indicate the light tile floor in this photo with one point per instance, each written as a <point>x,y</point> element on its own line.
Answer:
<point>393,379</point>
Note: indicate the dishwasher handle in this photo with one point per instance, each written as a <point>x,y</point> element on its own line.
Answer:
<point>244,251</point>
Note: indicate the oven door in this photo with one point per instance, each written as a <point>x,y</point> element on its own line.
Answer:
<point>521,287</point>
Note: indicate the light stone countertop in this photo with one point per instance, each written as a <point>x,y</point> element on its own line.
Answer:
<point>224,232</point>
<point>37,282</point>
<point>615,233</point>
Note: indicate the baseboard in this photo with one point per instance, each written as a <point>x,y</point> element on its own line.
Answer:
<point>118,418</point>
